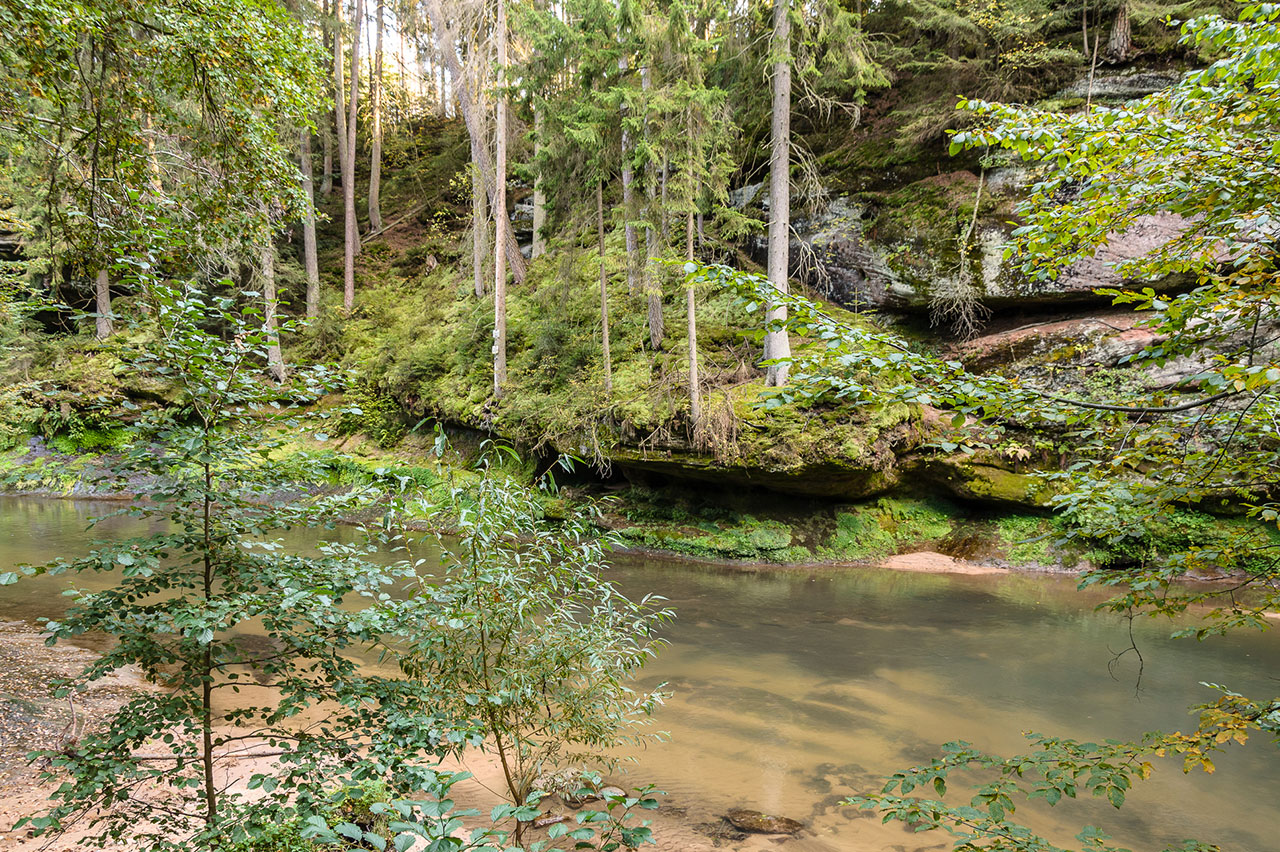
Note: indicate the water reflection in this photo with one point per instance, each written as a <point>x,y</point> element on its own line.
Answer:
<point>794,689</point>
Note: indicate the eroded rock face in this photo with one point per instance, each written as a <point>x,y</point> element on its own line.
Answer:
<point>1073,354</point>
<point>1133,84</point>
<point>835,479</point>
<point>901,251</point>
<point>1101,340</point>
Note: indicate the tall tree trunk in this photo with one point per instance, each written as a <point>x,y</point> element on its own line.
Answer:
<point>326,145</point>
<point>443,103</point>
<point>664,224</point>
<point>695,384</point>
<point>1121,41</point>
<point>400,56</point>
<point>628,200</point>
<point>326,119</point>
<point>539,246</point>
<point>691,315</point>
<point>104,325</point>
<point>604,291</point>
<point>375,158</point>
<point>1084,27</point>
<point>500,213</point>
<point>446,44</point>
<point>309,261</point>
<point>776,343</point>
<point>339,97</point>
<point>651,286</point>
<point>351,241</point>
<point>267,274</point>
<point>479,230</point>
<point>153,162</point>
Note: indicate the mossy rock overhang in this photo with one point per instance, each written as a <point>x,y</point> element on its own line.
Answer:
<point>829,479</point>
<point>966,479</point>
<point>983,479</point>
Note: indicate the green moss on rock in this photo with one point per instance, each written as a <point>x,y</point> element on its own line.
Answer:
<point>984,479</point>
<point>877,530</point>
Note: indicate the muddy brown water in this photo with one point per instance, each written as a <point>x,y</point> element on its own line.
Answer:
<point>794,688</point>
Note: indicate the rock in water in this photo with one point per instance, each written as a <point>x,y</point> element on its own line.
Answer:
<point>761,823</point>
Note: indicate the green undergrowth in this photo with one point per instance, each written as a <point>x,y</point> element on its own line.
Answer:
<point>421,343</point>
<point>1029,539</point>
<point>1176,537</point>
<point>362,806</point>
<point>1184,537</point>
<point>24,471</point>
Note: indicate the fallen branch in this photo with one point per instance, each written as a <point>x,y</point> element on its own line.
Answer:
<point>388,226</point>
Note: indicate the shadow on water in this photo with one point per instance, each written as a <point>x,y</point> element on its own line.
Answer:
<point>794,689</point>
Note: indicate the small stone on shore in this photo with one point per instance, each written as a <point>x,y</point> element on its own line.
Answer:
<point>762,823</point>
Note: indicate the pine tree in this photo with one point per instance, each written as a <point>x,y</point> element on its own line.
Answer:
<point>351,231</point>
<point>777,345</point>
<point>310,262</point>
<point>500,211</point>
<point>375,110</point>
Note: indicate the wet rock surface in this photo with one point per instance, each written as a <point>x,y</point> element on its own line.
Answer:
<point>758,822</point>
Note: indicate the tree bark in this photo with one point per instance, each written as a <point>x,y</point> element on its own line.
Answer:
<point>339,100</point>
<point>309,260</point>
<point>375,158</point>
<point>326,162</point>
<point>153,162</point>
<point>604,291</point>
<point>267,273</point>
<point>479,230</point>
<point>664,224</point>
<point>690,230</point>
<point>351,234</point>
<point>104,324</point>
<point>446,44</point>
<point>776,343</point>
<point>539,246</point>
<point>441,91</point>
<point>326,122</point>
<point>1121,41</point>
<point>500,214</point>
<point>628,200</point>
<point>652,288</point>
<point>695,384</point>
<point>401,25</point>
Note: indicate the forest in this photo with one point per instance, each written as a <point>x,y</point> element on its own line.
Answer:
<point>561,424</point>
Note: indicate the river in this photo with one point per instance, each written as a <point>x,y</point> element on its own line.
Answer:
<point>793,688</point>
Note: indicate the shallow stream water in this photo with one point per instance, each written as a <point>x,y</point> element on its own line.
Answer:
<point>794,688</point>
